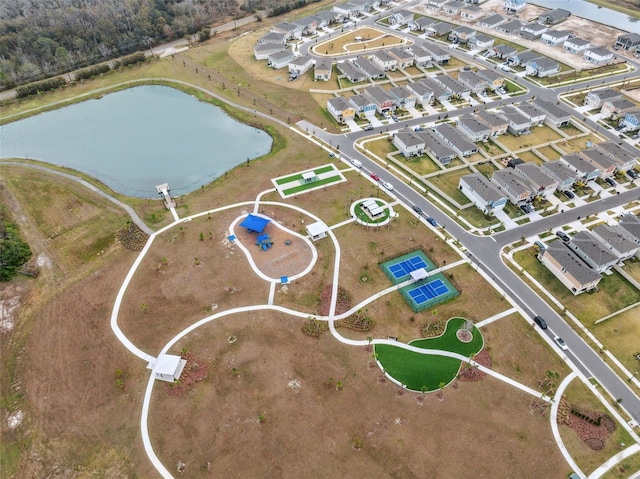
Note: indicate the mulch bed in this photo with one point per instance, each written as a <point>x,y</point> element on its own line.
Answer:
<point>471,374</point>
<point>195,370</point>
<point>591,426</point>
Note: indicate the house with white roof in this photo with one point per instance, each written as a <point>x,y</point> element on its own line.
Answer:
<point>482,192</point>
<point>168,367</point>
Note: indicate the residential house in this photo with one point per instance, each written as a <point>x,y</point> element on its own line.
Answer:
<point>401,17</point>
<point>363,105</point>
<point>423,94</point>
<point>404,58</point>
<point>532,31</point>
<point>513,6</point>
<point>452,8</point>
<point>555,116</point>
<point>484,194</point>
<point>521,58</point>
<point>561,173</point>
<point>558,258</point>
<point>437,147</point>
<point>473,129</point>
<point>627,41</point>
<point>472,81</point>
<point>273,38</point>
<point>492,21</point>
<point>456,140</point>
<point>541,183</point>
<point>592,252</point>
<point>383,60</point>
<point>625,158</point>
<point>535,116</point>
<point>502,51</point>
<point>422,57</point>
<point>542,67</point>
<point>440,93</point>
<point>630,121</point>
<point>605,164</point>
<point>261,51</point>
<point>616,108</point>
<point>369,67</point>
<point>518,124</point>
<point>325,18</point>
<point>409,142</point>
<point>554,17</point>
<point>629,226</point>
<point>598,55</point>
<point>555,37</point>
<point>435,5</point>
<point>438,55</point>
<point>496,123</point>
<point>403,97</point>
<point>300,65</point>
<point>456,88</point>
<point>347,10</point>
<point>290,30</point>
<point>510,27</point>
<point>491,79</point>
<point>351,72</point>
<point>514,186</point>
<point>381,98</point>
<point>471,12</point>
<point>595,98</point>
<point>576,45</point>
<point>308,25</point>
<point>340,109</point>
<point>323,69</point>
<point>480,42</point>
<point>421,24</point>
<point>439,29</point>
<point>585,171</point>
<point>461,34</point>
<point>280,59</point>
<point>616,242</point>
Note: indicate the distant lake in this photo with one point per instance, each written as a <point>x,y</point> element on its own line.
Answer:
<point>138,138</point>
<point>590,11</point>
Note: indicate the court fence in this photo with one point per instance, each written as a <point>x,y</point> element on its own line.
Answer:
<point>388,266</point>
<point>452,292</point>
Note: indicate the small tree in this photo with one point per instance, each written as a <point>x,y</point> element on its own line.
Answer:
<point>441,387</point>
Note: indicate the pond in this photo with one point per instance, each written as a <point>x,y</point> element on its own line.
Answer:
<point>138,138</point>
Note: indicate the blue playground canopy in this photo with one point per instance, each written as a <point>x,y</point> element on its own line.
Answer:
<point>255,223</point>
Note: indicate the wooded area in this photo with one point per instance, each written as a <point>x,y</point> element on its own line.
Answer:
<point>43,38</point>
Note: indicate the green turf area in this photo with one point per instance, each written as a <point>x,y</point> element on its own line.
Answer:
<point>298,176</point>
<point>426,372</point>
<point>308,186</point>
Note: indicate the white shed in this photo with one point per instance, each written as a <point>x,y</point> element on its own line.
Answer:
<point>317,230</point>
<point>168,367</point>
<point>418,274</point>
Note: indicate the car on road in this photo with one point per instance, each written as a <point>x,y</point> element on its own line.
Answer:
<point>560,342</point>
<point>610,181</point>
<point>417,209</point>
<point>375,177</point>
<point>563,236</point>
<point>569,194</point>
<point>387,185</point>
<point>368,128</point>
<point>356,163</point>
<point>540,322</point>
<point>432,222</point>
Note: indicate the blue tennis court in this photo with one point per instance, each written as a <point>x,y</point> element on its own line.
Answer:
<point>405,267</point>
<point>426,292</point>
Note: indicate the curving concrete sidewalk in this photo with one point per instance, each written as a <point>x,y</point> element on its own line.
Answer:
<point>553,417</point>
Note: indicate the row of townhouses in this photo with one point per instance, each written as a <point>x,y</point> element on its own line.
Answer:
<point>614,105</point>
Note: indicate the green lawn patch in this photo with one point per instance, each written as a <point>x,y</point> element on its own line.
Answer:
<point>420,372</point>
<point>306,186</point>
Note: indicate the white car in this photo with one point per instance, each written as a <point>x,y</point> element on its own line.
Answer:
<point>560,342</point>
<point>388,186</point>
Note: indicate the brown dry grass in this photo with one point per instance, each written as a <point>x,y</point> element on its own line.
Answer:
<point>312,429</point>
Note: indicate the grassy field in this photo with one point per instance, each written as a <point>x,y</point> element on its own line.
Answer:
<point>539,135</point>
<point>621,471</point>
<point>448,184</point>
<point>619,335</point>
<point>549,152</point>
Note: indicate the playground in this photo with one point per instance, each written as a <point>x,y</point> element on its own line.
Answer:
<point>359,40</point>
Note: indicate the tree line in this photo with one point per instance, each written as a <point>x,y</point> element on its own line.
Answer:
<point>14,252</point>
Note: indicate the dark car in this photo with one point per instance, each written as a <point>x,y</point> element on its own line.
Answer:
<point>563,236</point>
<point>375,177</point>
<point>633,174</point>
<point>540,322</point>
<point>417,209</point>
<point>569,194</point>
<point>431,221</point>
<point>610,181</point>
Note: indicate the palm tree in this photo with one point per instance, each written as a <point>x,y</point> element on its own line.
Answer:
<point>441,386</point>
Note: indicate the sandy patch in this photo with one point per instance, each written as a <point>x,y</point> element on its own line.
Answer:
<point>15,419</point>
<point>7,309</point>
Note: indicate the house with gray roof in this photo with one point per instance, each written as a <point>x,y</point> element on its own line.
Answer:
<point>455,139</point>
<point>616,108</point>
<point>518,124</point>
<point>363,105</point>
<point>481,42</point>
<point>423,94</point>
<point>513,6</point>
<point>290,30</point>
<point>452,7</point>
<point>408,142</point>
<point>456,88</point>
<point>261,51</point>
<point>473,129</point>
<point>617,243</point>
<point>502,51</point>
<point>568,268</point>
<point>555,116</point>
<point>461,34</point>
<point>492,21</point>
<point>482,193</point>
<point>273,38</point>
<point>555,37</point>
<point>630,122</point>
<point>440,93</point>
<point>340,109</point>
<point>281,59</point>
<point>624,157</point>
<point>542,67</point>
<point>439,29</point>
<point>309,25</point>
<point>511,27</point>
<point>402,96</point>
<point>370,67</point>
<point>492,79</point>
<point>351,71</point>
<point>472,81</point>
<point>438,55</point>
<point>598,55</point>
<point>532,31</point>
<point>514,186</point>
<point>627,41</point>
<point>522,57</point>
<point>300,65</point>
<point>560,173</point>
<point>605,164</point>
<point>575,45</point>
<point>437,148</point>
<point>404,58</point>
<point>534,114</point>
<point>381,98</point>
<point>323,69</point>
<point>584,170</point>
<point>629,226</point>
<point>422,57</point>
<point>496,123</point>
<point>401,17</point>
<point>421,24</point>
<point>585,245</point>
<point>326,17</point>
<point>384,60</point>
<point>595,98</point>
<point>435,5</point>
<point>554,17</point>
<point>471,12</point>
<point>541,183</point>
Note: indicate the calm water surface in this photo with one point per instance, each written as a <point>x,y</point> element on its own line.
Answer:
<point>138,138</point>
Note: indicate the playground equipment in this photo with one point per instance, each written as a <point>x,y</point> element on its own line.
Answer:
<point>264,241</point>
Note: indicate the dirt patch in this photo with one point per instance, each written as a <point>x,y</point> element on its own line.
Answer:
<point>471,374</point>
<point>195,370</point>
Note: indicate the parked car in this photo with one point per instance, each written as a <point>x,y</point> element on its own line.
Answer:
<point>417,209</point>
<point>540,245</point>
<point>432,222</point>
<point>368,128</point>
<point>633,174</point>
<point>387,185</point>
<point>331,154</point>
<point>610,181</point>
<point>560,342</point>
<point>563,236</point>
<point>540,322</point>
<point>569,194</point>
<point>375,177</point>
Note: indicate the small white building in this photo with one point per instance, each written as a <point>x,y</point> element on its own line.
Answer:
<point>167,367</point>
<point>317,230</point>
